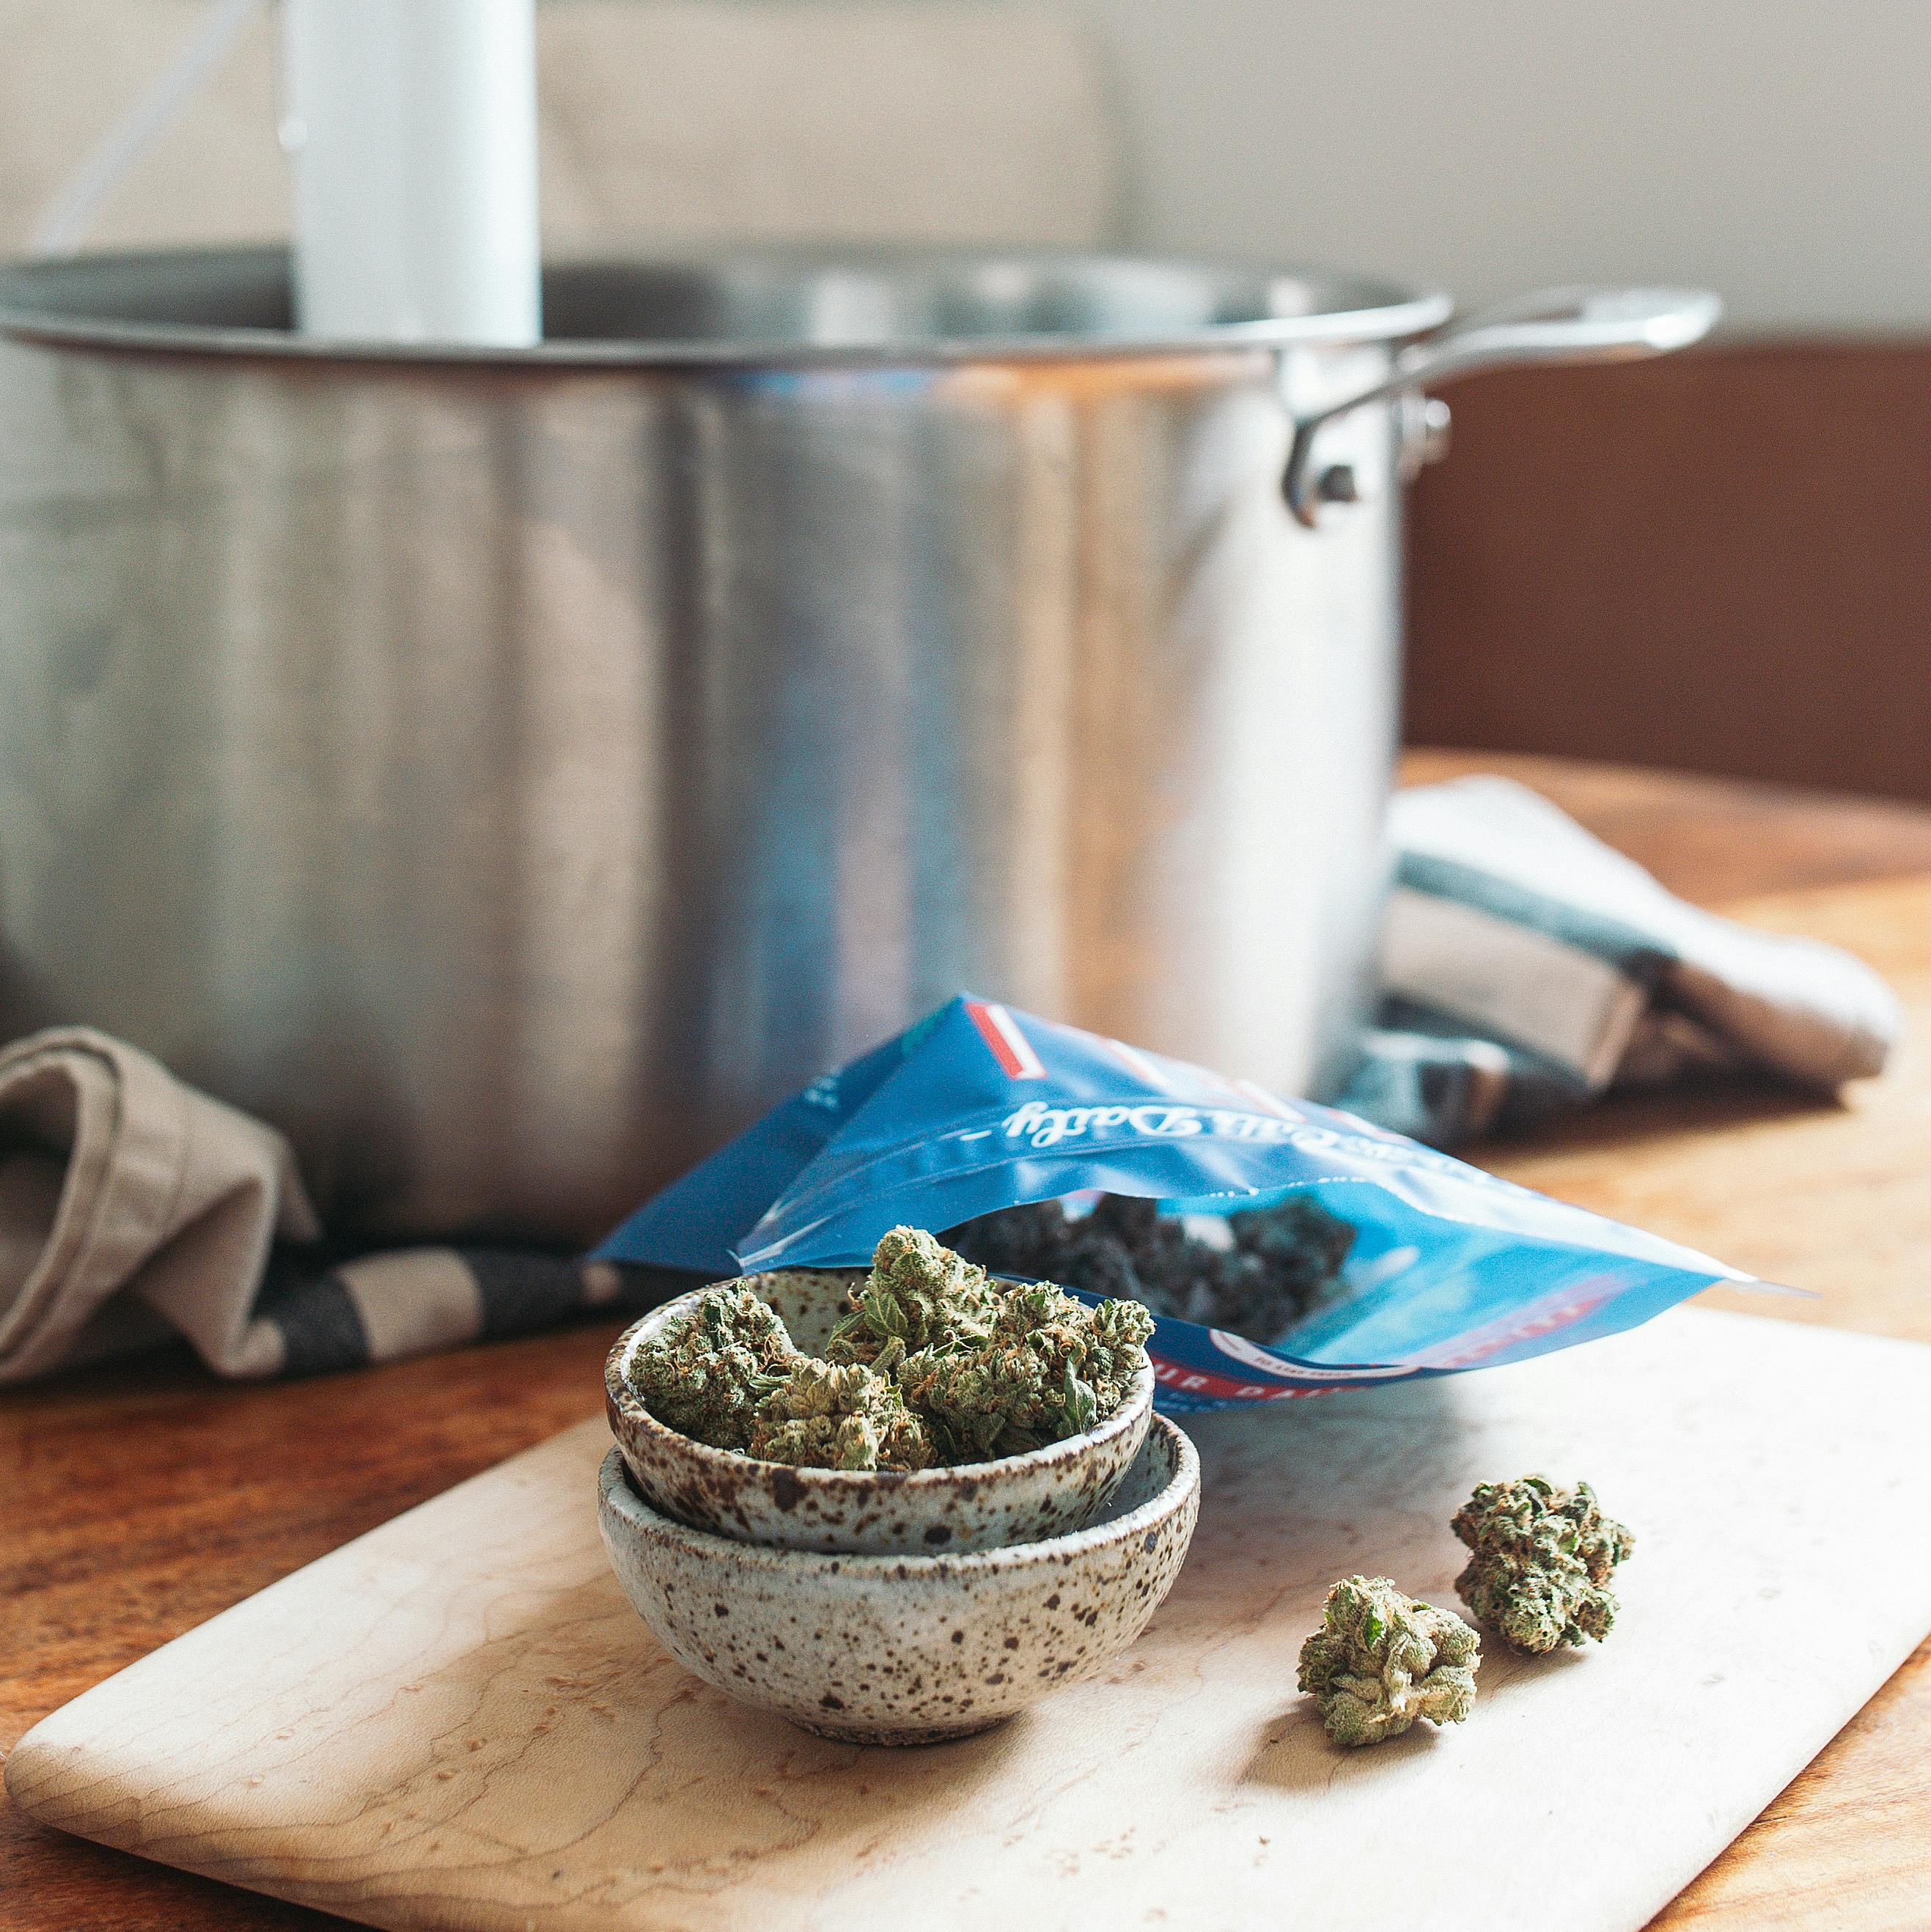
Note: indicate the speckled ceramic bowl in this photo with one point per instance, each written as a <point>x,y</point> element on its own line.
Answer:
<point>881,1512</point>
<point>904,1650</point>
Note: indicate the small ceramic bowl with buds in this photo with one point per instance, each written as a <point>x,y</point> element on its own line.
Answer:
<point>902,1650</point>
<point>961,1508</point>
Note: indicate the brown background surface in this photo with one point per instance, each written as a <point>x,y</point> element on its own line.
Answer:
<point>1720,561</point>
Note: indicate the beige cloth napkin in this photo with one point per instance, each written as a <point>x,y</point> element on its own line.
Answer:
<point>135,1210</point>
<point>131,1205</point>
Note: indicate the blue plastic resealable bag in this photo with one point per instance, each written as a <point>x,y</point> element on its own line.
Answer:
<point>980,1108</point>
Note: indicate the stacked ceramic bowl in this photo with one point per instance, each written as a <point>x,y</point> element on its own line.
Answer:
<point>889,1606</point>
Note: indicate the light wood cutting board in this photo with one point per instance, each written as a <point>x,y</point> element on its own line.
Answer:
<point>458,1721</point>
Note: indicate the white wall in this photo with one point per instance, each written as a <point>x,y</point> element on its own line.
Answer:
<point>949,121</point>
<point>1779,150</point>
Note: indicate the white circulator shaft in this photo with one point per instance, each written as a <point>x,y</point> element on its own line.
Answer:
<point>411,126</point>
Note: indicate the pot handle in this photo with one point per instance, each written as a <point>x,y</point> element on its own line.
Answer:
<point>1554,325</point>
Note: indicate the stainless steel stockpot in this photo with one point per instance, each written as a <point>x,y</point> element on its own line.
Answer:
<point>510,772</point>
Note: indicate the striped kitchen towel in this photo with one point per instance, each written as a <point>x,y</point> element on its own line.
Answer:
<point>135,1210</point>
<point>1526,966</point>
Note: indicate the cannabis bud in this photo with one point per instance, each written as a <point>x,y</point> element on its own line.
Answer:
<point>1380,1660</point>
<point>1048,1367</point>
<point>827,1416</point>
<point>930,1361</point>
<point>1541,1562</point>
<point>1278,1264</point>
<point>919,1294</point>
<point>705,1373</point>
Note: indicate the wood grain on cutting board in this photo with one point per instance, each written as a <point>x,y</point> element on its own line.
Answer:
<point>457,1721</point>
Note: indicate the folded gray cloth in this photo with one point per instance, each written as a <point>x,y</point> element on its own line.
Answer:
<point>1525,965</point>
<point>134,1209</point>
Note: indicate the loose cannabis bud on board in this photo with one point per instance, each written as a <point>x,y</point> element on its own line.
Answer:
<point>1380,1660</point>
<point>825,1416</point>
<point>1280,1262</point>
<point>1541,1563</point>
<point>708,1371</point>
<point>1049,1366</point>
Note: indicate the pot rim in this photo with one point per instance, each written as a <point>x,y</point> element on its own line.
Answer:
<point>237,302</point>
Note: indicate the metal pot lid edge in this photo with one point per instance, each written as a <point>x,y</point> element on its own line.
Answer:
<point>257,278</point>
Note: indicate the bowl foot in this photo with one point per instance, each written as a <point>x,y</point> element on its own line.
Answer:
<point>911,1734</point>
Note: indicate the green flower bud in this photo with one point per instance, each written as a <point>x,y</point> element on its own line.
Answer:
<point>1540,1561</point>
<point>1381,1661</point>
<point>930,1360</point>
<point>829,1415</point>
<point>705,1373</point>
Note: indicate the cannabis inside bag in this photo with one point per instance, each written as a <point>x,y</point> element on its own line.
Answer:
<point>980,1108</point>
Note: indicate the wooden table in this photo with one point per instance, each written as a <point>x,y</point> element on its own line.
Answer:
<point>227,1488</point>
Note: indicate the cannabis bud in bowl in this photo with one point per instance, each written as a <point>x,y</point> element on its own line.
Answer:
<point>920,1405</point>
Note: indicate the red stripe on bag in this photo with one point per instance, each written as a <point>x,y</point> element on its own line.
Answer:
<point>1187,1381</point>
<point>1010,1047</point>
